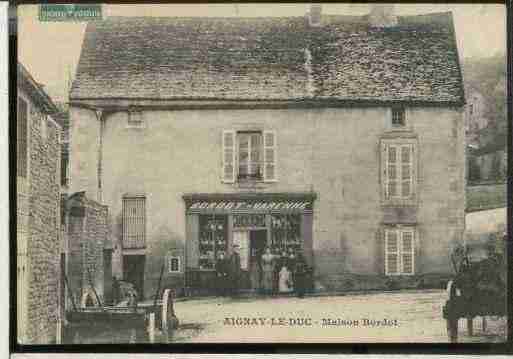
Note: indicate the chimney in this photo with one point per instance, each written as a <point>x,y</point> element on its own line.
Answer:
<point>382,15</point>
<point>315,14</point>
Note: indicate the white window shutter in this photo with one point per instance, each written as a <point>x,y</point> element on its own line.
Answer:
<point>270,156</point>
<point>391,252</point>
<point>228,156</point>
<point>407,252</point>
<point>384,166</point>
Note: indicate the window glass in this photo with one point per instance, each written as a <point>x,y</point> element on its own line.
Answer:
<point>213,239</point>
<point>399,251</point>
<point>249,155</point>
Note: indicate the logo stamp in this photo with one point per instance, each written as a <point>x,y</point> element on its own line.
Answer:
<point>70,12</point>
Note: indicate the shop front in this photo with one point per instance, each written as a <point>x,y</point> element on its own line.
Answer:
<point>215,223</point>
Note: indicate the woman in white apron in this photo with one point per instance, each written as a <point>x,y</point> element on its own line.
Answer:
<point>284,281</point>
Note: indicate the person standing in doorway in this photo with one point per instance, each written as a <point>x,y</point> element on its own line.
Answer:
<point>234,271</point>
<point>267,271</point>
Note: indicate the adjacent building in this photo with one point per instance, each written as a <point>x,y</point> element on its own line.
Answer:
<point>341,137</point>
<point>39,241</point>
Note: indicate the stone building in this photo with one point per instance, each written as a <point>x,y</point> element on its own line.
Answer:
<point>338,136</point>
<point>39,243</point>
<point>89,252</point>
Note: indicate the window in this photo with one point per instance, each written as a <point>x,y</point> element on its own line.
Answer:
<point>135,119</point>
<point>285,232</point>
<point>213,239</point>
<point>22,138</point>
<point>398,169</point>
<point>173,264</point>
<point>398,118</point>
<point>249,150</point>
<point>399,251</point>
<point>134,222</point>
<point>249,156</point>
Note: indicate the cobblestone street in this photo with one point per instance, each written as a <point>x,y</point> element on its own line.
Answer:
<point>412,316</point>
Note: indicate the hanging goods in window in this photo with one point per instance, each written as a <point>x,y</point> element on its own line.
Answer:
<point>212,240</point>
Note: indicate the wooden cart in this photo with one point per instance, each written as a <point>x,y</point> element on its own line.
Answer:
<point>479,286</point>
<point>132,324</point>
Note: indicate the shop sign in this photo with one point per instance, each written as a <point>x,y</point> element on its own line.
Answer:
<point>249,205</point>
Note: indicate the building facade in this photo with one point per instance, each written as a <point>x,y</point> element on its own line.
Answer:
<point>281,132</point>
<point>39,242</point>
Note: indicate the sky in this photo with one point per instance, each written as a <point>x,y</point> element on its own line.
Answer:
<point>51,50</point>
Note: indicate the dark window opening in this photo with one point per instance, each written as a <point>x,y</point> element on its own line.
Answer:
<point>398,118</point>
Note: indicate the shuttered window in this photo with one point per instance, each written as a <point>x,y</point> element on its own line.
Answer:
<point>398,170</point>
<point>249,156</point>
<point>134,222</point>
<point>228,156</point>
<point>270,156</point>
<point>22,138</point>
<point>399,251</point>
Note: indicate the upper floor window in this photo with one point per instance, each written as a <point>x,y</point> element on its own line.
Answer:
<point>249,156</point>
<point>398,169</point>
<point>22,138</point>
<point>135,119</point>
<point>398,117</point>
<point>399,251</point>
<point>134,222</point>
<point>249,151</point>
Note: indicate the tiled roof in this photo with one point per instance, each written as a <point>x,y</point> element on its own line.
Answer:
<point>35,90</point>
<point>270,59</point>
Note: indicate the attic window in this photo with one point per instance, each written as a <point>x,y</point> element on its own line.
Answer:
<point>135,119</point>
<point>398,117</point>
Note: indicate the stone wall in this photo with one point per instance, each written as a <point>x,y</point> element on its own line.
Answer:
<point>87,236</point>
<point>40,235</point>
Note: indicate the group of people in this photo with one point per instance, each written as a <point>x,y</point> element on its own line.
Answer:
<point>275,273</point>
<point>283,273</point>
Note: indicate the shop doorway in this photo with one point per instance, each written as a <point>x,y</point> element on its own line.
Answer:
<point>257,243</point>
<point>133,272</point>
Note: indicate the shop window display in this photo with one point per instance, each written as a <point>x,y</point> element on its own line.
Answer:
<point>212,240</point>
<point>286,233</point>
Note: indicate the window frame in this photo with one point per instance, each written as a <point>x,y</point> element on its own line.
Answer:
<point>231,156</point>
<point>170,257</point>
<point>260,176</point>
<point>402,117</point>
<point>400,231</point>
<point>135,114</point>
<point>126,243</point>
